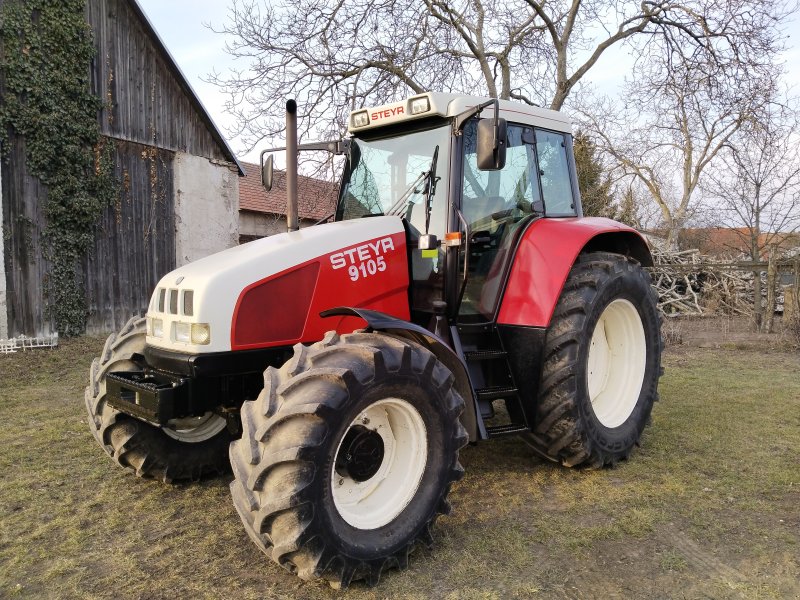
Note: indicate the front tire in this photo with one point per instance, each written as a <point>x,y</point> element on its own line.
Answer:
<point>347,456</point>
<point>190,449</point>
<point>602,362</point>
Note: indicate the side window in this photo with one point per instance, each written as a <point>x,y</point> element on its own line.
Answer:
<point>554,172</point>
<point>512,190</point>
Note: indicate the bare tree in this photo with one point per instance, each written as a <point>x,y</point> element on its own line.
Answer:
<point>335,54</point>
<point>757,183</point>
<point>682,111</point>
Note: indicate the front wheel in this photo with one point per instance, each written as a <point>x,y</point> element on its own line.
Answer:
<point>602,362</point>
<point>347,456</point>
<point>185,449</point>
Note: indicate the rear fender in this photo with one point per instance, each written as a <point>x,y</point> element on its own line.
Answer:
<point>378,321</point>
<point>545,255</point>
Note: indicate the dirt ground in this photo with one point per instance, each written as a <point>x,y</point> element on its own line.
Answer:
<point>708,507</point>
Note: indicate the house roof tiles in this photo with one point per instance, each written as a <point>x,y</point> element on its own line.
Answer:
<point>316,198</point>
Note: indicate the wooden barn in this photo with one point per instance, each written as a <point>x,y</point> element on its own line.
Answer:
<point>177,181</point>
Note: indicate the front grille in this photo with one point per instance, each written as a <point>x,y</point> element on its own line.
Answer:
<point>173,301</point>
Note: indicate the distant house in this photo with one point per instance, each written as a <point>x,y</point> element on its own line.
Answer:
<point>178,184</point>
<point>263,213</point>
<point>735,241</point>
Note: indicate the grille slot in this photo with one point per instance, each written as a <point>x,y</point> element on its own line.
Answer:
<point>188,303</point>
<point>173,302</point>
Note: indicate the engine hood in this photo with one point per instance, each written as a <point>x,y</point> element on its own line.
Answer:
<point>217,282</point>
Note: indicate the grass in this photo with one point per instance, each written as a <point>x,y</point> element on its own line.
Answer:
<point>708,507</point>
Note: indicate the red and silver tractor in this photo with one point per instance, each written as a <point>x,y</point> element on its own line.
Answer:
<point>457,295</point>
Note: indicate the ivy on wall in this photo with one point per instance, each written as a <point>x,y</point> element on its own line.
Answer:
<point>45,58</point>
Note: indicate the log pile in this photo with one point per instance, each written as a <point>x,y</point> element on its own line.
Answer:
<point>690,284</point>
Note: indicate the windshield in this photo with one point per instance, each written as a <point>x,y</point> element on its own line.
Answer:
<point>388,173</point>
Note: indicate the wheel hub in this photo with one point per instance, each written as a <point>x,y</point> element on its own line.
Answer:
<point>379,463</point>
<point>616,363</point>
<point>195,429</point>
<point>361,454</point>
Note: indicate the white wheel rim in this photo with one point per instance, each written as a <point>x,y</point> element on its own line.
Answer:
<point>616,365</point>
<point>375,502</point>
<point>195,429</point>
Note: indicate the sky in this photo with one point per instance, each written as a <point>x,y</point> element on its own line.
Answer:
<point>183,27</point>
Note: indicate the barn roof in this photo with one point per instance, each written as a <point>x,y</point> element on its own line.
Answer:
<point>317,198</point>
<point>161,47</point>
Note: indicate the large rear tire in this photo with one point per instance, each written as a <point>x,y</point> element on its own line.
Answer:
<point>602,362</point>
<point>187,450</point>
<point>347,456</point>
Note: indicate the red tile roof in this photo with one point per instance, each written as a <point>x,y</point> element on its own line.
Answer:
<point>720,241</point>
<point>316,198</point>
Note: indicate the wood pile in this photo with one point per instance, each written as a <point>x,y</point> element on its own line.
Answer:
<point>689,283</point>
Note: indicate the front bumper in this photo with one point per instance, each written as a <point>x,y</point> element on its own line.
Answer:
<point>152,397</point>
<point>171,385</point>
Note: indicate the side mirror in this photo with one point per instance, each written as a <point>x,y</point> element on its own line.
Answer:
<point>266,173</point>
<point>492,135</point>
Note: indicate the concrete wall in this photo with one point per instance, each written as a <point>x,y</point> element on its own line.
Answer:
<point>256,224</point>
<point>206,207</point>
<point>3,307</point>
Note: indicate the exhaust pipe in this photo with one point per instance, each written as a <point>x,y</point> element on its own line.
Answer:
<point>291,166</point>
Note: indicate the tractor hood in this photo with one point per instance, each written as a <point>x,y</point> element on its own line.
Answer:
<point>269,292</point>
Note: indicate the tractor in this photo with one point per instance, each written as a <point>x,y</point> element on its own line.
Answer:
<point>456,295</point>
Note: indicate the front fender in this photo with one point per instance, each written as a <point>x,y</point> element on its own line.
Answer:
<point>545,255</point>
<point>378,321</point>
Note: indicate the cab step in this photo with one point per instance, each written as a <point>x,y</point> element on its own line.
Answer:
<point>476,355</point>
<point>510,429</point>
<point>495,392</point>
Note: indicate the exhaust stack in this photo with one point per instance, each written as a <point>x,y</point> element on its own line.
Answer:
<point>291,166</point>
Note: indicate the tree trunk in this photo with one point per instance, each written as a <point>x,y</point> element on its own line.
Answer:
<point>758,311</point>
<point>755,256</point>
<point>772,277</point>
<point>797,287</point>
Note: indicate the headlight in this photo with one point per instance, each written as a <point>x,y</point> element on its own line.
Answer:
<point>191,333</point>
<point>360,119</point>
<point>201,333</point>
<point>155,327</point>
<point>183,332</point>
<point>420,105</point>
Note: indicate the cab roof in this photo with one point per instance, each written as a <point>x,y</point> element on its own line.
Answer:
<point>449,105</point>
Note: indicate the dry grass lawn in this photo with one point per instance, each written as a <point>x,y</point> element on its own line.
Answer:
<point>708,507</point>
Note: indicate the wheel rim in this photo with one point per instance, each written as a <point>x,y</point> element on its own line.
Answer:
<point>195,429</point>
<point>386,448</point>
<point>616,364</point>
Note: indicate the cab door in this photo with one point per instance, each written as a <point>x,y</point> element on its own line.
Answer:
<point>497,206</point>
<point>494,204</point>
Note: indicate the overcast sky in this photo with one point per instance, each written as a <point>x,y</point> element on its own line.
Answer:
<point>198,50</point>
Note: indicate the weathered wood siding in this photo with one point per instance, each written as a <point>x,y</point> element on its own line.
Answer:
<point>135,241</point>
<point>26,269</point>
<point>148,116</point>
<point>144,101</point>
<point>134,244</point>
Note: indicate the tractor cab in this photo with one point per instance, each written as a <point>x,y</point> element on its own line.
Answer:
<point>421,159</point>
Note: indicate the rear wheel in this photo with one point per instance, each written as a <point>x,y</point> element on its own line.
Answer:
<point>347,456</point>
<point>602,364</point>
<point>185,449</point>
